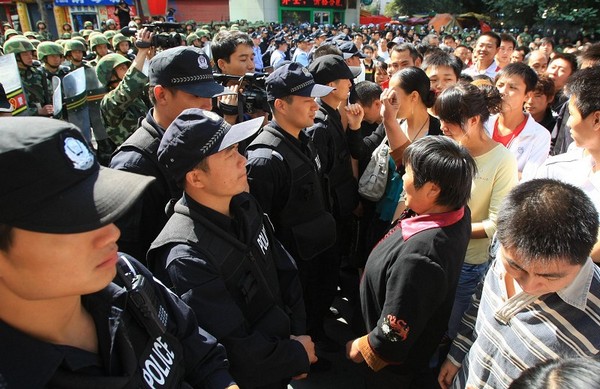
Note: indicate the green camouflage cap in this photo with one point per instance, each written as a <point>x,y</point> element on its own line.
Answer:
<point>110,34</point>
<point>73,44</point>
<point>49,48</point>
<point>10,32</point>
<point>96,40</point>
<point>191,38</point>
<point>118,38</point>
<point>105,66</point>
<point>17,45</point>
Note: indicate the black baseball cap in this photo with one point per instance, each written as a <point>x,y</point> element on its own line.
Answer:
<point>185,68</point>
<point>350,50</point>
<point>52,182</point>
<point>332,67</point>
<point>4,104</point>
<point>196,134</point>
<point>293,79</point>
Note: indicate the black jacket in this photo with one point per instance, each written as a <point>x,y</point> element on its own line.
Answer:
<point>144,221</point>
<point>125,349</point>
<point>241,282</point>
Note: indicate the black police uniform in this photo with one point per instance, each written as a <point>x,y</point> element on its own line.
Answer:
<point>284,176</point>
<point>144,221</point>
<point>242,283</point>
<point>132,353</point>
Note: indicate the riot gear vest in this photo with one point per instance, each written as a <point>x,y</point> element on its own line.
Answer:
<point>247,268</point>
<point>341,183</point>
<point>304,226</point>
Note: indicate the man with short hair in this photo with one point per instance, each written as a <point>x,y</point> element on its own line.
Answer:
<point>73,311</point>
<point>539,102</point>
<point>538,61</point>
<point>285,174</point>
<point>507,46</point>
<point>539,300</point>
<point>578,165</point>
<point>443,70</point>
<point>559,70</point>
<point>403,56</point>
<point>219,253</point>
<point>179,78</point>
<point>486,48</point>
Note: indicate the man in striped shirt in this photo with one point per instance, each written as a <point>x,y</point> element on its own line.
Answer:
<point>541,297</point>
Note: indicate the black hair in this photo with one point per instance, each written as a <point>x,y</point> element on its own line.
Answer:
<point>414,53</point>
<point>440,160</point>
<point>327,48</point>
<point>508,38</point>
<point>365,93</point>
<point>548,40</point>
<point>545,220</point>
<point>6,236</point>
<point>524,49</point>
<point>545,86</point>
<point>441,58</point>
<point>584,87</point>
<point>492,35</point>
<point>367,47</point>
<point>581,373</point>
<point>462,101</point>
<point>590,54</point>
<point>570,58</point>
<point>528,75</point>
<point>225,43</point>
<point>413,79</point>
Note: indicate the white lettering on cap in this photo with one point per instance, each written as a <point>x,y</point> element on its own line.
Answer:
<point>202,62</point>
<point>79,154</point>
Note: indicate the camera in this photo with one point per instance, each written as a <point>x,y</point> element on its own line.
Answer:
<point>254,95</point>
<point>162,36</point>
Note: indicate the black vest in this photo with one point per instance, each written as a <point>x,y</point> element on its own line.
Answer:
<point>248,270</point>
<point>304,226</point>
<point>341,183</point>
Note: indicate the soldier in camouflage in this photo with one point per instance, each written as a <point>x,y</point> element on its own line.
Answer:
<point>126,101</point>
<point>99,45</point>
<point>122,44</point>
<point>74,51</point>
<point>51,56</point>
<point>43,32</point>
<point>38,91</point>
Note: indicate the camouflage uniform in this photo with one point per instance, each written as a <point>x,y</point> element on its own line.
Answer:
<point>122,107</point>
<point>38,91</point>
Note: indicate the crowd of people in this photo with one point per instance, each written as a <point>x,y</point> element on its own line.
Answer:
<point>199,234</point>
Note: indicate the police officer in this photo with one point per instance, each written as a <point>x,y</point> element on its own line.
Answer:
<point>218,252</point>
<point>179,78</point>
<point>65,320</point>
<point>125,103</point>
<point>285,175</point>
<point>329,135</point>
<point>38,91</point>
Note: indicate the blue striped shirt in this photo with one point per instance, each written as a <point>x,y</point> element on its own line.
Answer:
<point>500,337</point>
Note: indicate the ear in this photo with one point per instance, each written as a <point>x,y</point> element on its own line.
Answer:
<point>221,63</point>
<point>280,105</point>
<point>195,179</point>
<point>474,121</point>
<point>418,62</point>
<point>433,191</point>
<point>159,93</point>
<point>596,115</point>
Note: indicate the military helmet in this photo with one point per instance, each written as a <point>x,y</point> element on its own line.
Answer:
<point>106,65</point>
<point>86,33</point>
<point>18,45</point>
<point>35,42</point>
<point>88,24</point>
<point>118,38</point>
<point>110,34</point>
<point>10,32</point>
<point>30,34</point>
<point>80,39</point>
<point>191,38</point>
<point>73,44</point>
<point>96,40</point>
<point>48,48</point>
<point>66,35</point>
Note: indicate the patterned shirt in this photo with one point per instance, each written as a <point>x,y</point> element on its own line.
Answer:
<point>500,337</point>
<point>123,106</point>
